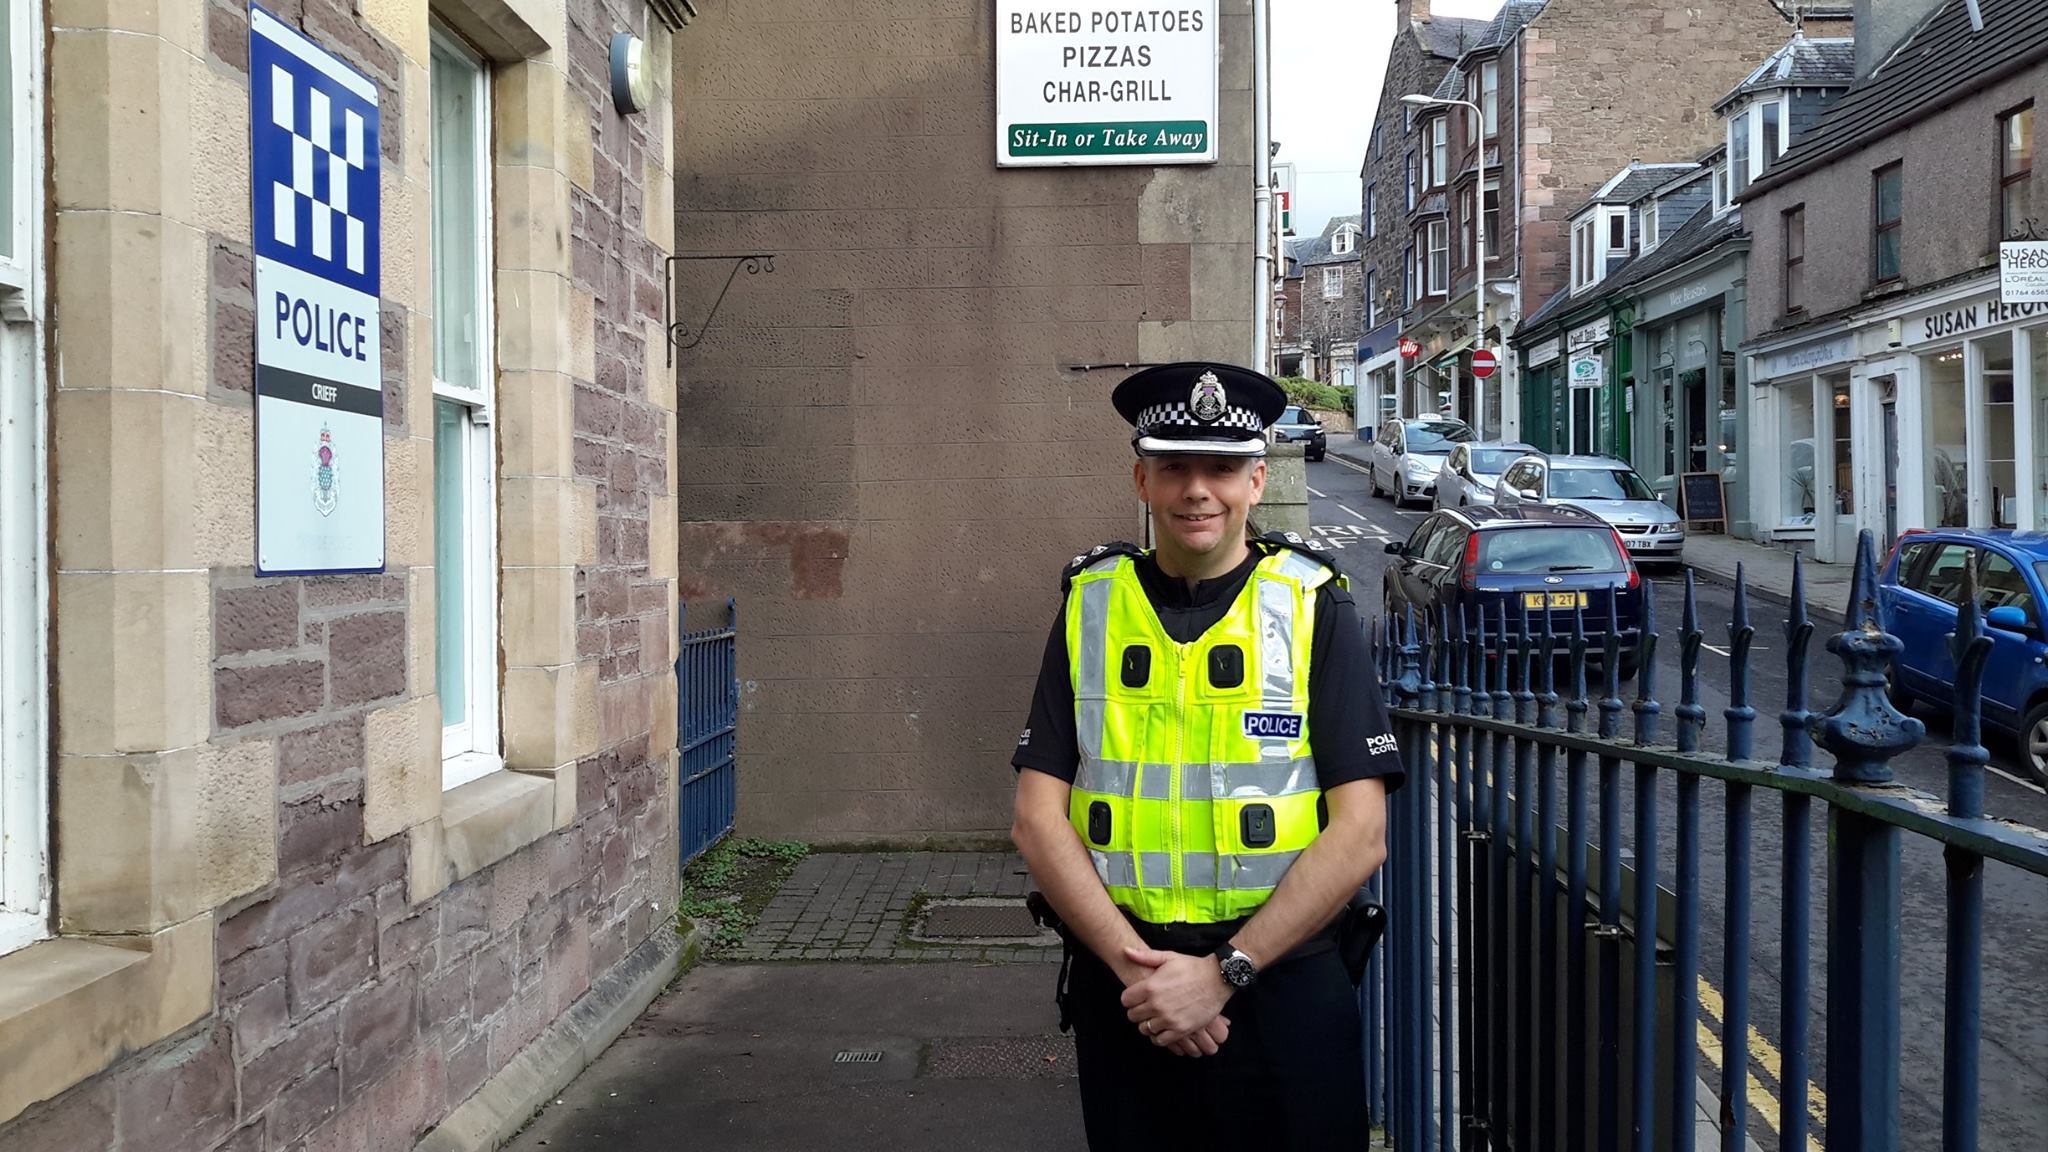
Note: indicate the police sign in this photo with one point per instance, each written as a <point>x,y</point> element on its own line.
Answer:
<point>314,177</point>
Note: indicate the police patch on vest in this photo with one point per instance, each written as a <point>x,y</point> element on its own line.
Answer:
<point>1286,725</point>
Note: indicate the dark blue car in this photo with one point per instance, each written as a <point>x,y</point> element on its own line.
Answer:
<point>1921,587</point>
<point>1535,558</point>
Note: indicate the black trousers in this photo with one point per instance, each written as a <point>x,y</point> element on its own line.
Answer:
<point>1291,1076</point>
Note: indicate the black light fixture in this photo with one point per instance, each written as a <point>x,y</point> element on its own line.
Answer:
<point>632,80</point>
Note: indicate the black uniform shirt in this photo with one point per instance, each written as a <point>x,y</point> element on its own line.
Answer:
<point>1345,709</point>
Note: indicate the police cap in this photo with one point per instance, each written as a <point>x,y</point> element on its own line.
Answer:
<point>1199,407</point>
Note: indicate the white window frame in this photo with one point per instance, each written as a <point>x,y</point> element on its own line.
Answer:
<point>1439,257</point>
<point>1333,282</point>
<point>470,748</point>
<point>1409,167</point>
<point>1489,96</point>
<point>1647,228</point>
<point>1723,200</point>
<point>1600,224</point>
<point>1372,209</point>
<point>24,558</point>
<point>1762,153</point>
<point>1472,126</point>
<point>1344,242</point>
<point>1372,298</point>
<point>1439,152</point>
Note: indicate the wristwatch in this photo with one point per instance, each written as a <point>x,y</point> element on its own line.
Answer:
<point>1238,969</point>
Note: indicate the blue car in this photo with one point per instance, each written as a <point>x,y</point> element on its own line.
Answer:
<point>1921,586</point>
<point>1529,557</point>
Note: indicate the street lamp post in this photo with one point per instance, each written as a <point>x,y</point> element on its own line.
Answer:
<point>1418,100</point>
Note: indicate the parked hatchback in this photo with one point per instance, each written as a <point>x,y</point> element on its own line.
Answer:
<point>1921,588</point>
<point>1609,489</point>
<point>1471,472</point>
<point>1408,453</point>
<point>1299,426</point>
<point>1560,561</point>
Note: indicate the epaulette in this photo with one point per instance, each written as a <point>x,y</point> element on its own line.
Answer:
<point>1315,550</point>
<point>1096,555</point>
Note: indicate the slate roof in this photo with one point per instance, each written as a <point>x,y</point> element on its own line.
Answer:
<point>1310,251</point>
<point>1801,63</point>
<point>1452,87</point>
<point>1699,235</point>
<point>1638,181</point>
<point>1513,17</point>
<point>1941,63</point>
<point>1451,36</point>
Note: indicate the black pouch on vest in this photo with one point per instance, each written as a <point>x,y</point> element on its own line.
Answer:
<point>1098,824</point>
<point>1137,666</point>
<point>1226,666</point>
<point>1255,826</point>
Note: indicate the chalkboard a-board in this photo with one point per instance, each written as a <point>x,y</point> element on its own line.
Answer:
<point>1702,499</point>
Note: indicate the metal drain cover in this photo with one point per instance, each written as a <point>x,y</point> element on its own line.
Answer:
<point>857,1057</point>
<point>1003,1058</point>
<point>991,921</point>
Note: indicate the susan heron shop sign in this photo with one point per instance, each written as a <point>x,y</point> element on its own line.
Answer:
<point>1105,82</point>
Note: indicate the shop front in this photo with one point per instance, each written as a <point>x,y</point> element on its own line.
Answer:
<point>1932,413</point>
<point>1688,415</point>
<point>1576,382</point>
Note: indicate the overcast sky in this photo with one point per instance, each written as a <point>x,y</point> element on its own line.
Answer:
<point>1328,59</point>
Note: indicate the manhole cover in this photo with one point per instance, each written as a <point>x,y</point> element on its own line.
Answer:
<point>981,921</point>
<point>1004,1058</point>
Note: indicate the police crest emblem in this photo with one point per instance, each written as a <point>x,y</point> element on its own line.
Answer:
<point>326,496</point>
<point>1206,401</point>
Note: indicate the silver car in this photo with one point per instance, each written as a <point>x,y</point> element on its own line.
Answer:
<point>1409,452</point>
<point>1472,470</point>
<point>1607,488</point>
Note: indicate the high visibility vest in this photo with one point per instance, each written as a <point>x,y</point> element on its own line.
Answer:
<point>1196,790</point>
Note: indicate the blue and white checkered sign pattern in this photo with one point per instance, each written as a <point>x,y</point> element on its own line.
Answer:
<point>316,166</point>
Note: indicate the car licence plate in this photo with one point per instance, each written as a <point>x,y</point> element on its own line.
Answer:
<point>1635,542</point>
<point>1554,599</point>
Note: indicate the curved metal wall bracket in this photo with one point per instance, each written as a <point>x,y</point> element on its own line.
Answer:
<point>679,335</point>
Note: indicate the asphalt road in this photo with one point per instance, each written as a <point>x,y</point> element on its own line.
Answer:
<point>2015,1049</point>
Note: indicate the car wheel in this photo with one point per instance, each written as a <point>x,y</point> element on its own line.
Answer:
<point>2034,743</point>
<point>1372,481</point>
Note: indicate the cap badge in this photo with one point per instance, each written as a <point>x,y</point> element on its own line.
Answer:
<point>1206,401</point>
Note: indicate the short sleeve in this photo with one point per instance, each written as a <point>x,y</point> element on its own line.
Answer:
<point>1350,733</point>
<point>1050,743</point>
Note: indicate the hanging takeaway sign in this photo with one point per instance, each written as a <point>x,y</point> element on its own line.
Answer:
<point>314,183</point>
<point>1101,82</point>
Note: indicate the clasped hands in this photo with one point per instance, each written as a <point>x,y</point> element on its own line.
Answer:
<point>1177,1000</point>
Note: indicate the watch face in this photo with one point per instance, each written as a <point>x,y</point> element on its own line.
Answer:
<point>1238,971</point>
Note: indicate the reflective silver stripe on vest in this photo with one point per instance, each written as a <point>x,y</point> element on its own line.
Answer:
<point>1115,869</point>
<point>1122,870</point>
<point>1295,566</point>
<point>1276,616</point>
<point>1262,870</point>
<point>1089,702</point>
<point>1264,780</point>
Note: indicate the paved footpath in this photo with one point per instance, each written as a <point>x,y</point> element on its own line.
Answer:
<point>837,1027</point>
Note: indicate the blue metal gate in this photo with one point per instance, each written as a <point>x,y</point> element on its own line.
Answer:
<point>1498,896</point>
<point>707,723</point>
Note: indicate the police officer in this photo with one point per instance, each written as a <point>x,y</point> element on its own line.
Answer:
<point>1201,792</point>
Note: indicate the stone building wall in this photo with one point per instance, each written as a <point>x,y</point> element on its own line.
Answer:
<point>888,453</point>
<point>1605,82</point>
<point>274,929</point>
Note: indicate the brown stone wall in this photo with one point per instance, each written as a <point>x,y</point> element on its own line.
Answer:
<point>1609,81</point>
<point>1410,68</point>
<point>253,775</point>
<point>883,454</point>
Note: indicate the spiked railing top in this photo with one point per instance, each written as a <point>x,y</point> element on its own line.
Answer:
<point>1864,730</point>
<point>1969,647</point>
<point>1647,708</point>
<point>1741,717</point>
<point>1797,749</point>
<point>1577,706</point>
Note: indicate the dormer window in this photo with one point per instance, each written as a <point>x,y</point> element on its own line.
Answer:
<point>1598,236</point>
<point>1722,200</point>
<point>1344,242</point>
<point>1758,133</point>
<point>1646,227</point>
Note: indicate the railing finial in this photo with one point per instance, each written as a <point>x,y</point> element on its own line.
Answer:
<point>1969,647</point>
<point>1863,730</point>
<point>1647,708</point>
<point>1741,717</point>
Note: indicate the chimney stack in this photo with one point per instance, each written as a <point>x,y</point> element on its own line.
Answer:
<point>1409,12</point>
<point>1882,25</point>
